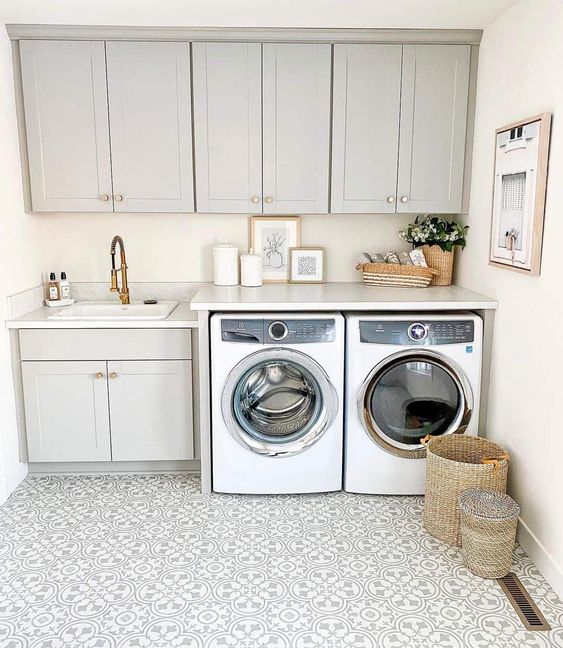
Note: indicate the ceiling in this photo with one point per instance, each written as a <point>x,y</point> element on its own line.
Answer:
<point>416,14</point>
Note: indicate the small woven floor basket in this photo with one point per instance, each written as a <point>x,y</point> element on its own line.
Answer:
<point>488,532</point>
<point>455,463</point>
<point>393,274</point>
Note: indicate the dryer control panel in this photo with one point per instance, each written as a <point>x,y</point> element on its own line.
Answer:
<point>417,332</point>
<point>273,331</point>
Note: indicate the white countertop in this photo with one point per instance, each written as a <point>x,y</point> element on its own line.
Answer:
<point>181,317</point>
<point>346,296</point>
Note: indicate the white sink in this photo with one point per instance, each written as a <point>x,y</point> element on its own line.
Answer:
<point>115,311</point>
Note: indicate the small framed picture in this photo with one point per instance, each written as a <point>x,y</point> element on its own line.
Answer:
<point>272,237</point>
<point>306,265</point>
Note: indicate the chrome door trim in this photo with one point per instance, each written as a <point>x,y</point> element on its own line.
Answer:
<point>328,409</point>
<point>455,372</point>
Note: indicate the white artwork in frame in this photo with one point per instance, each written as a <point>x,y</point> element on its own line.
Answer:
<point>272,237</point>
<point>521,159</point>
<point>307,265</point>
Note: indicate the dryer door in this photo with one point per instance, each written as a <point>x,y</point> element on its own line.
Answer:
<point>278,402</point>
<point>412,394</point>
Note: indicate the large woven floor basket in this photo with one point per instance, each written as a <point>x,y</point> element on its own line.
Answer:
<point>456,463</point>
<point>393,274</point>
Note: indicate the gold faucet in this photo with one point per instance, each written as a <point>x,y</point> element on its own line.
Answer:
<point>124,290</point>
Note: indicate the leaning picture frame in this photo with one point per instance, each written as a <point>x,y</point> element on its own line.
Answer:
<point>519,190</point>
<point>271,237</point>
<point>307,265</point>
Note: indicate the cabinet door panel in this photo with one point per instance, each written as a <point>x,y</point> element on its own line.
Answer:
<point>365,136</point>
<point>151,134</point>
<point>151,410</point>
<point>65,103</point>
<point>66,409</point>
<point>296,122</point>
<point>433,126</point>
<point>228,127</point>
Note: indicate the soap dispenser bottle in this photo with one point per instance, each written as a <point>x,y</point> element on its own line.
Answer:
<point>53,291</point>
<point>64,286</point>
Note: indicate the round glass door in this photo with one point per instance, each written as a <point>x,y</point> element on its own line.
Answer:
<point>278,402</point>
<point>411,396</point>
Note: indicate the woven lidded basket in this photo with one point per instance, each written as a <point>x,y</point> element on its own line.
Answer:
<point>455,463</point>
<point>393,274</point>
<point>488,531</point>
<point>441,261</point>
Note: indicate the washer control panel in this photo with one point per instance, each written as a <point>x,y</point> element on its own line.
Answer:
<point>417,332</point>
<point>275,331</point>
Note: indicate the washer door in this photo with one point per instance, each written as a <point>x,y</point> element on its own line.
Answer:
<point>278,402</point>
<point>412,394</point>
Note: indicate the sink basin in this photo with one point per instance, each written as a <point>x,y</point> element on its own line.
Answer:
<point>115,311</point>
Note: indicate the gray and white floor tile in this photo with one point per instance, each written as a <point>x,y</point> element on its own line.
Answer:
<point>144,561</point>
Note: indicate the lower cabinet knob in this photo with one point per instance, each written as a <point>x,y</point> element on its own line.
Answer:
<point>104,197</point>
<point>118,197</point>
<point>404,199</point>
<point>113,375</point>
<point>390,199</point>
<point>269,199</point>
<point>99,375</point>
<point>255,199</point>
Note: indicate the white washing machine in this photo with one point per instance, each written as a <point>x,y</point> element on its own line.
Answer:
<point>408,375</point>
<point>277,402</point>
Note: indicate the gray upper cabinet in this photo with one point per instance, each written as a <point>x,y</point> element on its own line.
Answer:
<point>365,136</point>
<point>296,123</point>
<point>433,128</point>
<point>227,79</point>
<point>150,118</point>
<point>66,116</point>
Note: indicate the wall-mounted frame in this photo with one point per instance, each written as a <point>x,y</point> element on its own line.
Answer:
<point>520,180</point>
<point>272,237</point>
<point>307,265</point>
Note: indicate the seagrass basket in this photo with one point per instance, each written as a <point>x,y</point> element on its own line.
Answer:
<point>455,463</point>
<point>488,531</point>
<point>442,262</point>
<point>393,274</point>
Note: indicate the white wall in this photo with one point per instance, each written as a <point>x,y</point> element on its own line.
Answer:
<point>19,247</point>
<point>519,76</point>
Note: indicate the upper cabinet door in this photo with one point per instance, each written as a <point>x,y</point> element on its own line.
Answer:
<point>365,135</point>
<point>228,127</point>
<point>433,123</point>
<point>66,117</point>
<point>296,122</point>
<point>151,134</point>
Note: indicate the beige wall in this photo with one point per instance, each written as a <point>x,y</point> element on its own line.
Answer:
<point>520,74</point>
<point>19,246</point>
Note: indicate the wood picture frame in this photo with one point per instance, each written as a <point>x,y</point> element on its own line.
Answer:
<point>271,237</point>
<point>293,274</point>
<point>522,246</point>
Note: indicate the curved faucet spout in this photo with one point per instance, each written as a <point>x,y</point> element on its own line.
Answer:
<point>124,290</point>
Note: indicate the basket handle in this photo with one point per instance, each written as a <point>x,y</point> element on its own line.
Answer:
<point>495,461</point>
<point>426,439</point>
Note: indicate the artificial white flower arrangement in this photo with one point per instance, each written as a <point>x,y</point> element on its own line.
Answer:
<point>433,230</point>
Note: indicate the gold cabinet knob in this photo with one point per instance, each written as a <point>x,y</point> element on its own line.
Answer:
<point>118,197</point>
<point>404,199</point>
<point>269,199</point>
<point>255,199</point>
<point>104,197</point>
<point>99,375</point>
<point>390,199</point>
<point>113,375</point>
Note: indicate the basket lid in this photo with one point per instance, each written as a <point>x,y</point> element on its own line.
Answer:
<point>488,505</point>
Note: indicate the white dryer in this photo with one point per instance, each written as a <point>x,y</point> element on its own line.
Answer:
<point>277,402</point>
<point>408,375</point>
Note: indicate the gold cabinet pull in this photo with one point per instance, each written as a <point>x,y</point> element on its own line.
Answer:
<point>99,375</point>
<point>113,375</point>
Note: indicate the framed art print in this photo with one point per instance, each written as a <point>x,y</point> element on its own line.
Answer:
<point>272,237</point>
<point>306,265</point>
<point>521,157</point>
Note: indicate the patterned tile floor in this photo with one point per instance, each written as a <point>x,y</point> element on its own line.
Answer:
<point>143,561</point>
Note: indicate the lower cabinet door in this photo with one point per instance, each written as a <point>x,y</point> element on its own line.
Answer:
<point>66,409</point>
<point>151,410</point>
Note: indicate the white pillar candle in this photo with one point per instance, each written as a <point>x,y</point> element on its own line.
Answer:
<point>250,269</point>
<point>225,264</point>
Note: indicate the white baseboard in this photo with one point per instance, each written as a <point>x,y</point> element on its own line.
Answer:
<point>124,467</point>
<point>542,559</point>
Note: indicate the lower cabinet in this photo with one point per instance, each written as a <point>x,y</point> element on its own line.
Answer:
<point>107,410</point>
